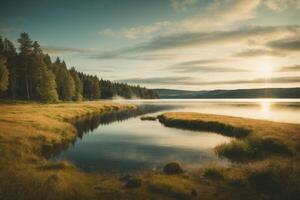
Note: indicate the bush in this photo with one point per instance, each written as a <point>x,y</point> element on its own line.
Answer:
<point>173,168</point>
<point>271,145</point>
<point>168,188</point>
<point>277,180</point>
<point>236,150</point>
<point>214,172</point>
<point>133,183</point>
<point>241,150</point>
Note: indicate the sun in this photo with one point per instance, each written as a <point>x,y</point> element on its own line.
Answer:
<point>265,68</point>
<point>265,71</point>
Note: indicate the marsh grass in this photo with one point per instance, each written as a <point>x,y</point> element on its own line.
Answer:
<point>214,172</point>
<point>57,165</point>
<point>174,187</point>
<point>149,118</point>
<point>26,174</point>
<point>266,159</point>
<point>253,148</point>
<point>202,125</point>
<point>255,139</point>
<point>27,133</point>
<point>278,180</point>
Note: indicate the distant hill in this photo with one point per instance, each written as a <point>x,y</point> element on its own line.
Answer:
<point>238,93</point>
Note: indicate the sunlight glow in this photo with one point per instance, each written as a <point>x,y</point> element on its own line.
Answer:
<point>266,106</point>
<point>265,67</point>
<point>265,70</point>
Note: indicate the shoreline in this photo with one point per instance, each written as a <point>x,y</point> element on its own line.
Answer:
<point>25,173</point>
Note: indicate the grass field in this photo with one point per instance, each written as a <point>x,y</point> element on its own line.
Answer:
<point>26,131</point>
<point>265,153</point>
<point>266,157</point>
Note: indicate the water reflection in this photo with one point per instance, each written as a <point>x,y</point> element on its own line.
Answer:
<point>135,145</point>
<point>91,122</point>
<point>281,110</point>
<point>121,142</point>
<point>266,106</point>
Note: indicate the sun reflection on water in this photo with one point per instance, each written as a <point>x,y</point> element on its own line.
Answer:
<point>266,106</point>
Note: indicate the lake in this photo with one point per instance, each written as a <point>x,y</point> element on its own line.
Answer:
<point>122,143</point>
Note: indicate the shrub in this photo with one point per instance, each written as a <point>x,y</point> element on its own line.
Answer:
<point>277,180</point>
<point>214,172</point>
<point>241,150</point>
<point>168,188</point>
<point>270,145</point>
<point>236,150</point>
<point>133,183</point>
<point>173,168</point>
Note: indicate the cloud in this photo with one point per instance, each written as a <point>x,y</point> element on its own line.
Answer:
<point>216,14</point>
<point>154,57</point>
<point>289,44</point>
<point>203,61</point>
<point>203,66</point>
<point>155,80</point>
<point>122,54</point>
<point>188,81</point>
<point>260,52</point>
<point>293,79</point>
<point>254,35</point>
<point>221,13</point>
<point>204,69</point>
<point>280,5</point>
<point>58,50</point>
<point>182,5</point>
<point>107,32</point>
<point>136,32</point>
<point>292,68</point>
<point>257,34</point>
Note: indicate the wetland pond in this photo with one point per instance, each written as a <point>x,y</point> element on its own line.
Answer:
<point>120,142</point>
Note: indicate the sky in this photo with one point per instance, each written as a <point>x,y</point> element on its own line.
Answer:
<point>173,44</point>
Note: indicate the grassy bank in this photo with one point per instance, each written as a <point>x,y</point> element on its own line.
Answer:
<point>26,131</point>
<point>255,138</point>
<point>267,157</point>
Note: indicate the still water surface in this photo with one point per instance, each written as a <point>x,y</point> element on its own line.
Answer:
<point>121,142</point>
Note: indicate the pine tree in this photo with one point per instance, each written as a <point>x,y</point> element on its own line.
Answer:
<point>64,81</point>
<point>1,46</point>
<point>44,79</point>
<point>78,84</point>
<point>24,64</point>
<point>10,53</point>
<point>3,75</point>
<point>30,74</point>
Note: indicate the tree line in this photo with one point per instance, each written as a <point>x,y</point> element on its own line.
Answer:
<point>30,74</point>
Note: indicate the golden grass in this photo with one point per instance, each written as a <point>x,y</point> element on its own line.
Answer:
<point>25,131</point>
<point>259,128</point>
<point>28,129</point>
<point>23,125</point>
<point>272,148</point>
<point>262,130</point>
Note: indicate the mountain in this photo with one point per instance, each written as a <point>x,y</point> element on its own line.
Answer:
<point>238,93</point>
